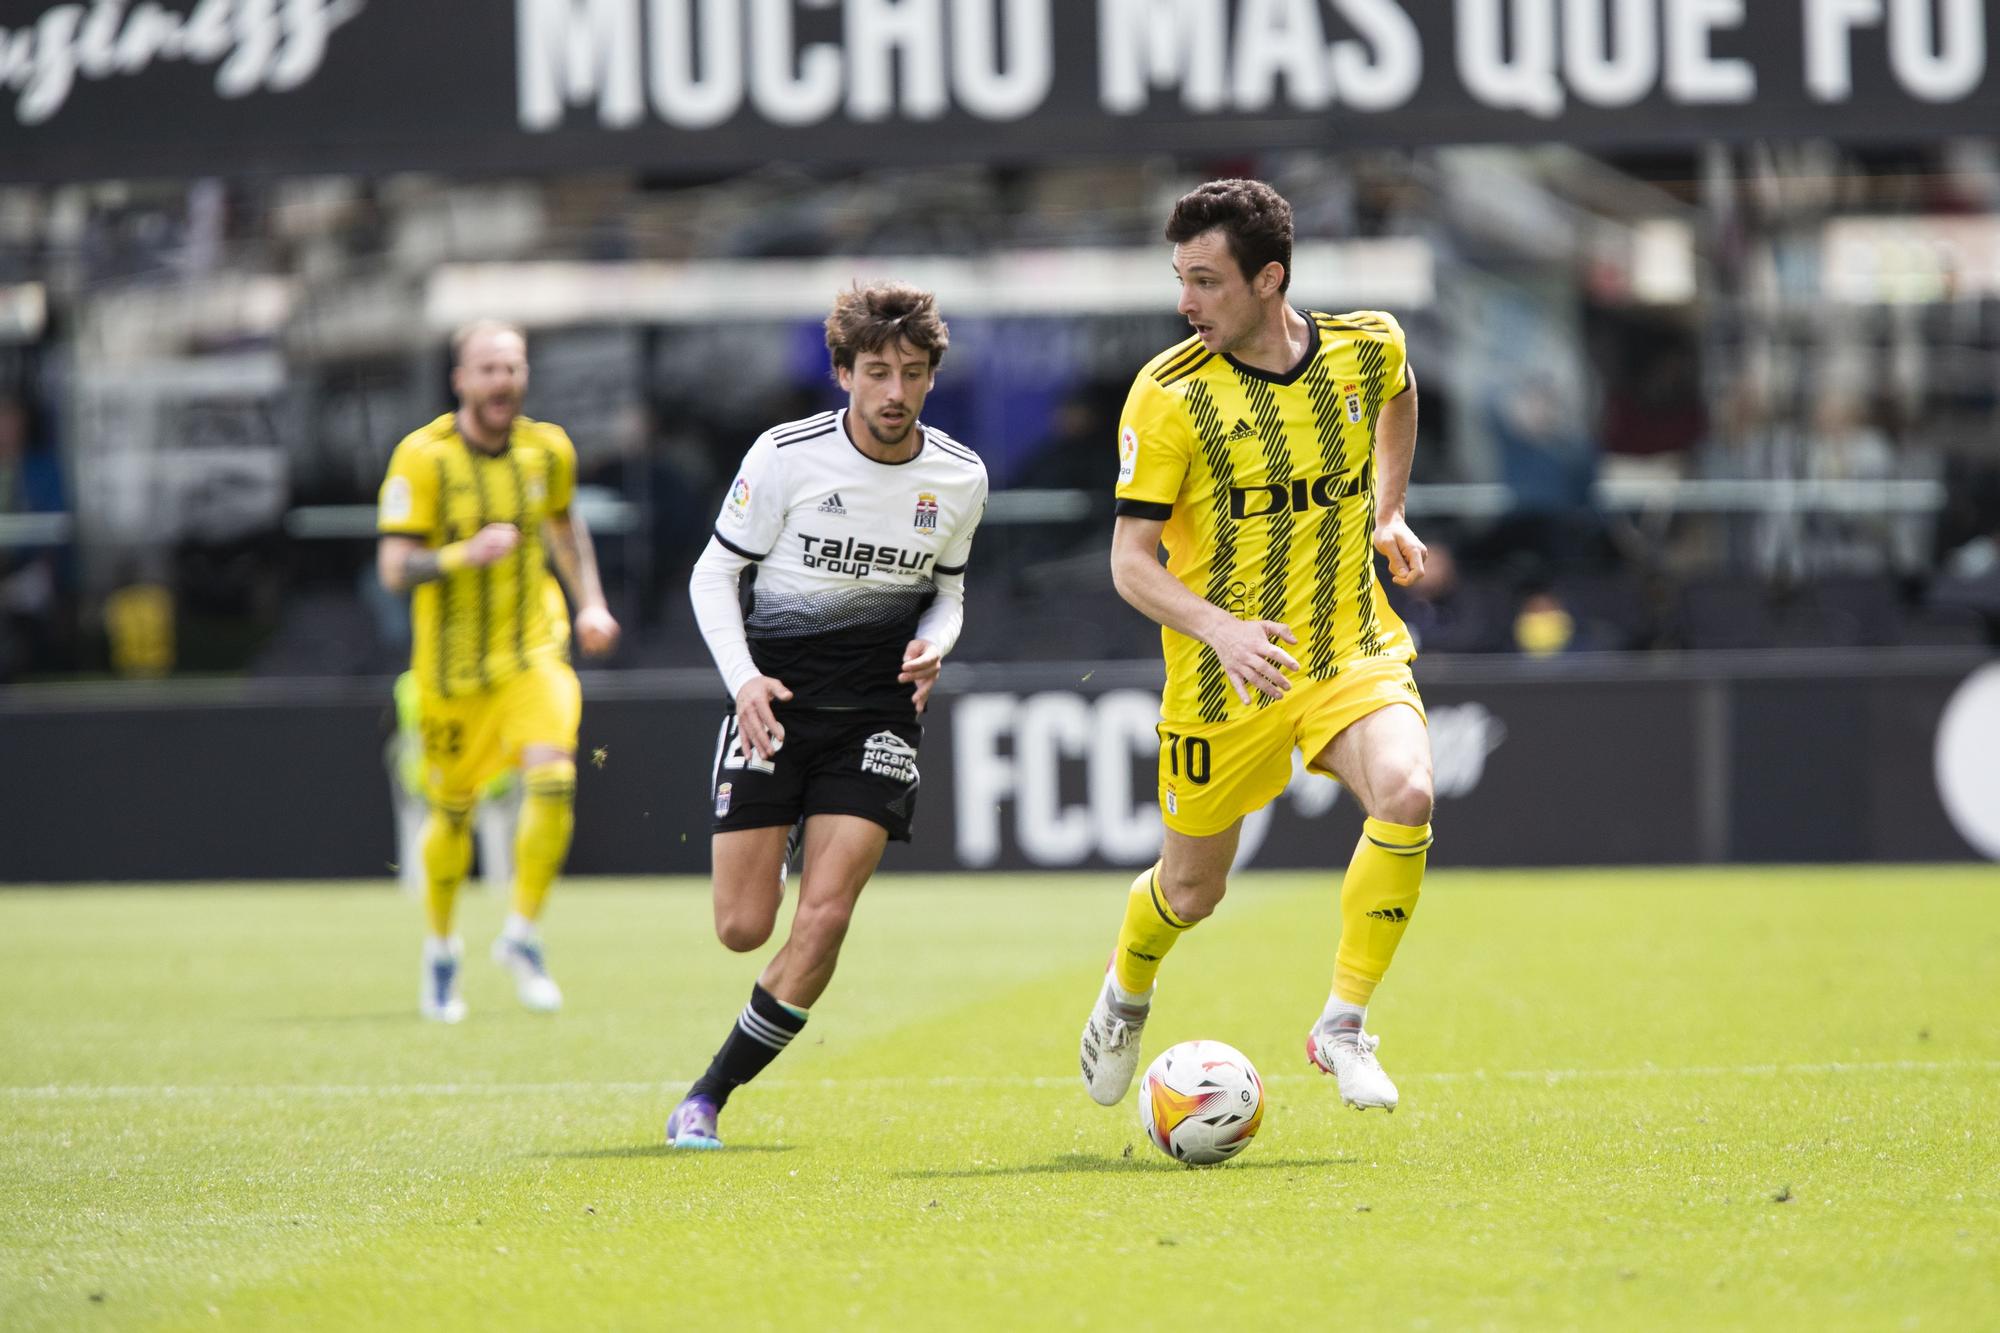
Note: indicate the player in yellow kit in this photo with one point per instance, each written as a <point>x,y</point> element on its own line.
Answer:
<point>1269,454</point>
<point>475,507</point>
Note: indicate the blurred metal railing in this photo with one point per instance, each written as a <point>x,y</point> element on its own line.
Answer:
<point>35,529</point>
<point>609,515</point>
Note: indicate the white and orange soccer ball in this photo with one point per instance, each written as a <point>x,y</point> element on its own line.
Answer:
<point>1201,1102</point>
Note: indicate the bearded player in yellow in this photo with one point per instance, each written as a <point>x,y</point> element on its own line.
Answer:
<point>475,507</point>
<point>1269,454</point>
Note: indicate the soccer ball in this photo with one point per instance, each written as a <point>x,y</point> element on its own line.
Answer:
<point>1201,1102</point>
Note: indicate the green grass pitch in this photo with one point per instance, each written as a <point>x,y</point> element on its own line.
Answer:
<point>1680,1099</point>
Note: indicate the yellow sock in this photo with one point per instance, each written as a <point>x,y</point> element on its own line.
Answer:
<point>1377,899</point>
<point>548,813</point>
<point>1149,930</point>
<point>447,856</point>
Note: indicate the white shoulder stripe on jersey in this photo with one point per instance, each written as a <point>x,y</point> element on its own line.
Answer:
<point>816,419</point>
<point>951,446</point>
<point>792,432</point>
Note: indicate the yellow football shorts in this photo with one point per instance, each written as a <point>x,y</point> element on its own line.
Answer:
<point>1214,773</point>
<point>471,740</point>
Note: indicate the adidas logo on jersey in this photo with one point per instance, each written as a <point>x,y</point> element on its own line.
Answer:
<point>832,505</point>
<point>1243,430</point>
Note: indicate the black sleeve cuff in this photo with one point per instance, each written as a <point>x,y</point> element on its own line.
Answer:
<point>747,555</point>
<point>1144,509</point>
<point>949,569</point>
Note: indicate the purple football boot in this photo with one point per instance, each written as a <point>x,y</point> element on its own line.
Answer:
<point>692,1125</point>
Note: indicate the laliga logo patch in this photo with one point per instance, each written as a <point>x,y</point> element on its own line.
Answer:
<point>739,501</point>
<point>722,795</point>
<point>1128,454</point>
<point>1354,404</point>
<point>1173,800</point>
<point>396,500</point>
<point>927,512</point>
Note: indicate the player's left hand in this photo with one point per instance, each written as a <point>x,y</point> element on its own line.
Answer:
<point>1404,552</point>
<point>921,664</point>
<point>596,631</point>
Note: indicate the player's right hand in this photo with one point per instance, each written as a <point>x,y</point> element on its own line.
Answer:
<point>1251,660</point>
<point>491,543</point>
<point>755,722</point>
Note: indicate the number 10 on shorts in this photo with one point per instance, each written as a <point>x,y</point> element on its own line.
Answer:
<point>1187,756</point>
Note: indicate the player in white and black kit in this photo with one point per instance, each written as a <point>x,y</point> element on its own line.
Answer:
<point>859,523</point>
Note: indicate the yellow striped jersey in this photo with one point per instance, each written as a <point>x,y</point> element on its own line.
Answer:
<point>1267,485</point>
<point>474,629</point>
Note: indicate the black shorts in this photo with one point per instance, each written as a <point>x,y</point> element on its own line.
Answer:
<point>832,763</point>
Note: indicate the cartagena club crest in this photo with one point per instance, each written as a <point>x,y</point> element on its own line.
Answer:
<point>927,512</point>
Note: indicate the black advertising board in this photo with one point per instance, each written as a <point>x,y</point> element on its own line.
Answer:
<point>109,88</point>
<point>1049,766</point>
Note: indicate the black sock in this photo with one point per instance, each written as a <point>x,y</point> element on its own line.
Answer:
<point>764,1028</point>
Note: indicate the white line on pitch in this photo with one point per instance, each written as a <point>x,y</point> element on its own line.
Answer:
<point>86,1091</point>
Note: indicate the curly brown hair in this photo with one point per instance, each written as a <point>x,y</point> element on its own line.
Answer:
<point>867,319</point>
<point>1254,218</point>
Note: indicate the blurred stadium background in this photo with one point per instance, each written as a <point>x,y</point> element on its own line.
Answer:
<point>1706,299</point>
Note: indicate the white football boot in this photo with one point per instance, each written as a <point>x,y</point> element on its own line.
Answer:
<point>1110,1050</point>
<point>1353,1064</point>
<point>532,983</point>
<point>437,992</point>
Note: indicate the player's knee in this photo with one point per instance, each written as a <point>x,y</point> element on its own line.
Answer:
<point>451,817</point>
<point>1408,797</point>
<point>1192,897</point>
<point>742,936</point>
<point>550,780</point>
<point>742,930</point>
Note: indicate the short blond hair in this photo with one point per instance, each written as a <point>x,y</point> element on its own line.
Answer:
<point>467,332</point>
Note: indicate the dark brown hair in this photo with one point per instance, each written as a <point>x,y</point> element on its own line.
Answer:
<point>867,319</point>
<point>1254,218</point>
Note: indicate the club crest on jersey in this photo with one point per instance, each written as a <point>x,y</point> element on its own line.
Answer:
<point>722,795</point>
<point>1354,404</point>
<point>890,756</point>
<point>927,512</point>
<point>1128,454</point>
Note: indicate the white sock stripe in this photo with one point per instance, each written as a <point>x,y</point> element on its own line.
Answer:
<point>759,1028</point>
